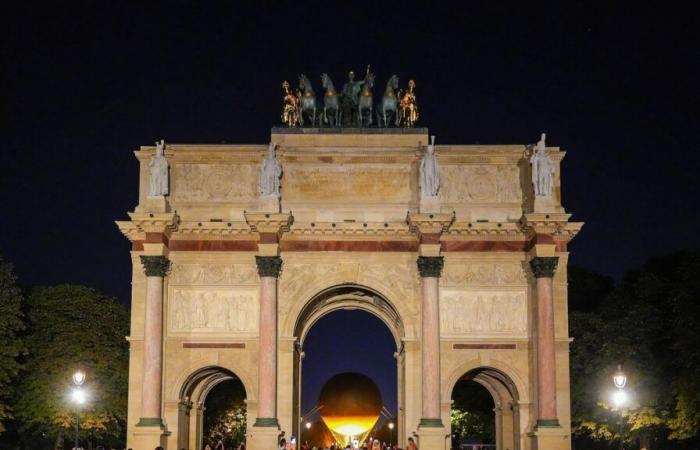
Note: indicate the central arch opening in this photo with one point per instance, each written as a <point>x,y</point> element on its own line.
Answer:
<point>349,369</point>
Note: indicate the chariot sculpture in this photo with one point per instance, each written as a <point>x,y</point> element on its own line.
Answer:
<point>353,106</point>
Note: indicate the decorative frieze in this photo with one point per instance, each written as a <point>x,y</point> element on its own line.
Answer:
<point>484,274</point>
<point>213,274</point>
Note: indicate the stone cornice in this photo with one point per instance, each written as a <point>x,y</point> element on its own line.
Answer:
<point>486,229</point>
<point>215,229</point>
<point>142,223</point>
<point>433,223</point>
<point>556,225</point>
<point>262,222</point>
<point>382,229</point>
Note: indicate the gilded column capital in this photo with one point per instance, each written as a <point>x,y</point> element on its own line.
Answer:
<point>544,266</point>
<point>430,266</point>
<point>269,266</point>
<point>155,266</point>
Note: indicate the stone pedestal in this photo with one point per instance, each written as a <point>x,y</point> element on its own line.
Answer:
<point>268,203</point>
<point>263,438</point>
<point>157,204</point>
<point>148,437</point>
<point>554,438</point>
<point>429,205</point>
<point>547,205</point>
<point>433,438</point>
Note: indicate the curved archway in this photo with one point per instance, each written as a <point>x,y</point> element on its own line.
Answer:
<point>348,296</point>
<point>505,396</point>
<point>193,395</point>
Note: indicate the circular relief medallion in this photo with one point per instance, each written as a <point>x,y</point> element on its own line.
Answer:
<point>482,187</point>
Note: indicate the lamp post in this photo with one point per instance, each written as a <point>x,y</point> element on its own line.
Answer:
<point>391,429</point>
<point>78,396</point>
<point>620,396</point>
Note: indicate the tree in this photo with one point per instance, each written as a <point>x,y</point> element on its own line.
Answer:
<point>69,328</point>
<point>650,324</point>
<point>12,347</point>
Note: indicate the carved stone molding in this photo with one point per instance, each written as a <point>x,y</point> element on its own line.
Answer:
<point>269,266</point>
<point>155,266</point>
<point>430,266</point>
<point>544,266</point>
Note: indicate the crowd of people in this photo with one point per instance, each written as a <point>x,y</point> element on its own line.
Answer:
<point>371,444</point>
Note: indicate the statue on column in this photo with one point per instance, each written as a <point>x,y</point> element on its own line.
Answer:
<point>158,168</point>
<point>270,172</point>
<point>542,169</point>
<point>429,172</point>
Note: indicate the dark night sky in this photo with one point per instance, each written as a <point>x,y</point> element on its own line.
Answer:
<point>84,85</point>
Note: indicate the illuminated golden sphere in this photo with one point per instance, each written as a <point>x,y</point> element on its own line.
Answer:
<point>350,404</point>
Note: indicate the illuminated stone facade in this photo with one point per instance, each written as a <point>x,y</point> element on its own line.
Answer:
<point>470,287</point>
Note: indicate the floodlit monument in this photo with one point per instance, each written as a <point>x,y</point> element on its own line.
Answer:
<point>461,250</point>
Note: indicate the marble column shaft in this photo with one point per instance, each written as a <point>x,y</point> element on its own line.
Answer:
<point>429,268</point>
<point>151,391</point>
<point>544,268</point>
<point>268,269</point>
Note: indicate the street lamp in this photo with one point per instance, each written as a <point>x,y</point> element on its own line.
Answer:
<point>391,428</point>
<point>620,396</point>
<point>308,425</point>
<point>79,397</point>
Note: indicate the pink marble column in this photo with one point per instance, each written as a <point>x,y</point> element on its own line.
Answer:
<point>429,268</point>
<point>544,268</point>
<point>268,269</point>
<point>155,267</point>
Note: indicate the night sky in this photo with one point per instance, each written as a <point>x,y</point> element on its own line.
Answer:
<point>85,85</point>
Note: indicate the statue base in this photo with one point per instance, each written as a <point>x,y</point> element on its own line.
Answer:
<point>547,205</point>
<point>157,204</point>
<point>429,205</point>
<point>268,203</point>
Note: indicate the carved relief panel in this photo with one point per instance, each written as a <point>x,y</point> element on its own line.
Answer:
<point>483,274</point>
<point>480,184</point>
<point>214,182</point>
<point>483,313</point>
<point>213,298</point>
<point>213,310</point>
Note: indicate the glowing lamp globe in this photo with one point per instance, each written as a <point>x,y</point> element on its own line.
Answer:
<point>350,404</point>
<point>619,379</point>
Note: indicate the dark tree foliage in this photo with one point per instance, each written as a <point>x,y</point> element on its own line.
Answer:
<point>225,417</point>
<point>11,347</point>
<point>68,328</point>
<point>650,324</point>
<point>472,413</point>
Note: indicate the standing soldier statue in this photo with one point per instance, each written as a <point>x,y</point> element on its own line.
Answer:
<point>409,106</point>
<point>290,108</point>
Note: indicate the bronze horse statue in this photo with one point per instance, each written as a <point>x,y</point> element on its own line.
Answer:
<point>307,101</point>
<point>389,105</point>
<point>365,102</point>
<point>331,105</point>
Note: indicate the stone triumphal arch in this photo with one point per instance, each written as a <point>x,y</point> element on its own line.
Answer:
<point>237,250</point>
